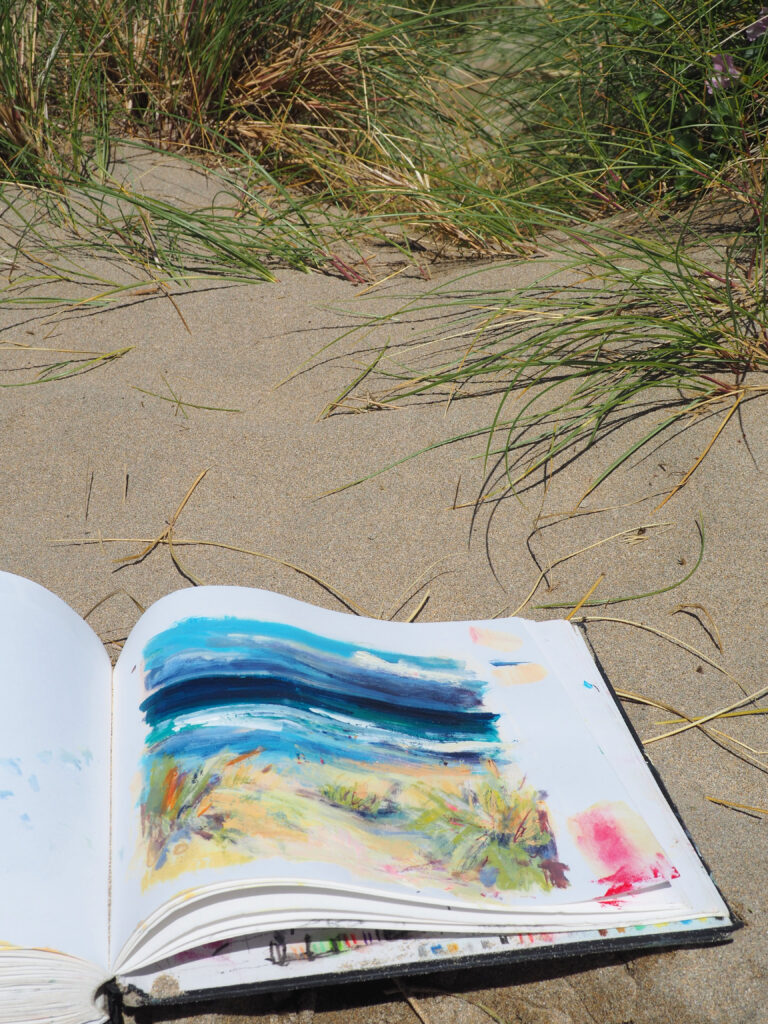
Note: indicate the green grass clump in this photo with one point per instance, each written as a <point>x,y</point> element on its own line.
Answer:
<point>381,109</point>
<point>498,831</point>
<point>629,101</point>
<point>358,800</point>
<point>454,129</point>
<point>625,329</point>
<point>653,117</point>
<point>467,127</point>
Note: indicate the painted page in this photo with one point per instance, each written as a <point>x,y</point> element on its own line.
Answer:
<point>54,775</point>
<point>442,764</point>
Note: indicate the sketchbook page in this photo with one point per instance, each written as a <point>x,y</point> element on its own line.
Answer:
<point>261,738</point>
<point>54,775</point>
<point>563,646</point>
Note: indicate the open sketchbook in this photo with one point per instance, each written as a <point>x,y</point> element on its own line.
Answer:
<point>267,793</point>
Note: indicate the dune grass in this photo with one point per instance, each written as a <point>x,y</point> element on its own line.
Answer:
<point>437,128</point>
<point>463,127</point>
<point>319,120</point>
<point>626,329</point>
<point>652,118</point>
<point>483,123</point>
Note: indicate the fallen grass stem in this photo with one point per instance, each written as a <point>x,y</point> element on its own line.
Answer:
<point>637,597</point>
<point>674,640</point>
<point>573,554</point>
<point>721,739</point>
<point>180,403</point>
<point>177,542</point>
<point>67,368</point>
<point>748,808</point>
<point>583,600</point>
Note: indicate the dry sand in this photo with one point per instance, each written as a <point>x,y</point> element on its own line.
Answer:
<point>92,457</point>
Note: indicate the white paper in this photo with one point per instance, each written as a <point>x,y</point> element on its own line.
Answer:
<point>54,775</point>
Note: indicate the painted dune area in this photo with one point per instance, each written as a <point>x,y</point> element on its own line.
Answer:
<point>265,740</point>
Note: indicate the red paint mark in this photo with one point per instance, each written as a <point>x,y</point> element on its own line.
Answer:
<point>627,877</point>
<point>172,783</point>
<point>606,837</point>
<point>243,757</point>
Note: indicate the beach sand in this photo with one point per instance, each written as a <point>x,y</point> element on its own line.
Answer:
<point>94,457</point>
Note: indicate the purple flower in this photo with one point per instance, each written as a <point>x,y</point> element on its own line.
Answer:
<point>725,73</point>
<point>757,28</point>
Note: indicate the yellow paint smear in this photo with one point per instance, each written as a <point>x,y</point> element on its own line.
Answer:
<point>273,815</point>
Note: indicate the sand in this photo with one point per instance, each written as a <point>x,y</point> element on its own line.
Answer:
<point>96,457</point>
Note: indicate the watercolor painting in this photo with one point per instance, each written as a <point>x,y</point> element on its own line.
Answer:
<point>266,740</point>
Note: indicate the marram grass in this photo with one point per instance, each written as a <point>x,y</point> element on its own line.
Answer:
<point>625,329</point>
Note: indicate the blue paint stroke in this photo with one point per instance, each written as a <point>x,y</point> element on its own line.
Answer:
<point>70,760</point>
<point>34,784</point>
<point>5,793</point>
<point>234,684</point>
<point>14,763</point>
<point>202,647</point>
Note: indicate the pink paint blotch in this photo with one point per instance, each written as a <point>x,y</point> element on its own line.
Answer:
<point>619,847</point>
<point>494,638</point>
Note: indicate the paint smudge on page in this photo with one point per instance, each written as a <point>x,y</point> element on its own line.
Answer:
<point>518,673</point>
<point>620,848</point>
<point>79,760</point>
<point>267,740</point>
<point>495,638</point>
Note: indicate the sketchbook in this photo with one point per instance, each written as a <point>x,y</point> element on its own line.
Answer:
<point>266,793</point>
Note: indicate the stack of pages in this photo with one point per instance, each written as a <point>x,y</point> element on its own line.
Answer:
<point>264,793</point>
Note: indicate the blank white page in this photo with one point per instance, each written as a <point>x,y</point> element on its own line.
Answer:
<point>55,682</point>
